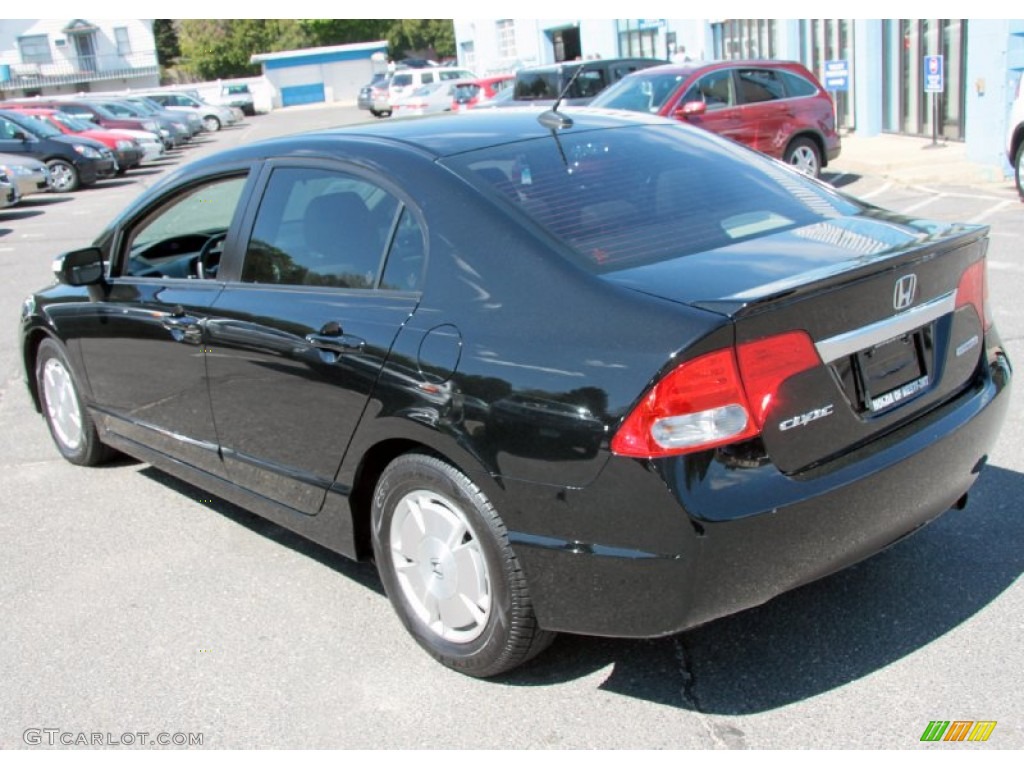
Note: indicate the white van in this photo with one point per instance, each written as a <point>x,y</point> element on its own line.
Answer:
<point>405,81</point>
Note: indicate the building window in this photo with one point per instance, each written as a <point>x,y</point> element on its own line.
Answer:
<point>507,38</point>
<point>745,39</point>
<point>907,107</point>
<point>637,39</point>
<point>35,49</point>
<point>124,43</point>
<point>468,57</point>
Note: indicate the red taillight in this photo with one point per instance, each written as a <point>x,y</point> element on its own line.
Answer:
<point>973,290</point>
<point>718,398</point>
<point>766,363</point>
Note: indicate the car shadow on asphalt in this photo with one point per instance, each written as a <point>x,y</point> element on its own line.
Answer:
<point>42,201</point>
<point>363,573</point>
<point>825,634</point>
<point>10,215</point>
<point>840,180</point>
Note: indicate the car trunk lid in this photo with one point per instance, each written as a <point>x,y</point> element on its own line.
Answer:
<point>885,300</point>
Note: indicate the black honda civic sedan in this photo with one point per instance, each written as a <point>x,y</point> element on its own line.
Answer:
<point>554,372</point>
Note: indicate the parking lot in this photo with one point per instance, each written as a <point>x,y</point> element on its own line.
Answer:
<point>135,603</point>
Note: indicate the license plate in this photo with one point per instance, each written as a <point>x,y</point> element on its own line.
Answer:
<point>893,371</point>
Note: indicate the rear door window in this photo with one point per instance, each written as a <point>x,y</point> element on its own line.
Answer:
<point>757,85</point>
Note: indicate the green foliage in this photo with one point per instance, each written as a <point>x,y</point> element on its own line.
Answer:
<point>408,36</point>
<point>321,32</point>
<point>167,48</point>
<point>212,48</point>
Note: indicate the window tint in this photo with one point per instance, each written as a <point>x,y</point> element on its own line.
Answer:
<point>427,78</point>
<point>404,268</point>
<point>401,80</point>
<point>796,85</point>
<point>640,93</point>
<point>757,85</point>
<point>168,243</point>
<point>714,89</point>
<point>641,195</point>
<point>588,84</point>
<point>317,227</point>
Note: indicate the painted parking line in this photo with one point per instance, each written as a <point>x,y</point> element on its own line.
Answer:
<point>1006,266</point>
<point>990,211</point>
<point>922,203</point>
<point>875,192</point>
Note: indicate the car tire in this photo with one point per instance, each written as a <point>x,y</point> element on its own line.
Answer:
<point>71,427</point>
<point>804,155</point>
<point>1018,170</point>
<point>64,175</point>
<point>211,123</point>
<point>444,557</point>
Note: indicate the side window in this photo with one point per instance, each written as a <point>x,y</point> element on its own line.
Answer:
<point>7,128</point>
<point>757,85</point>
<point>428,78</point>
<point>714,89</point>
<point>404,268</point>
<point>317,227</point>
<point>797,86</point>
<point>184,236</point>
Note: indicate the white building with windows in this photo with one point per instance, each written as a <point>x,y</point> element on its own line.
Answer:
<point>52,56</point>
<point>884,58</point>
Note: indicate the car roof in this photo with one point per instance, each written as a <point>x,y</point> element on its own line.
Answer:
<point>443,135</point>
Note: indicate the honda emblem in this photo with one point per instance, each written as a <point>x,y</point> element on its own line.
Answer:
<point>904,293</point>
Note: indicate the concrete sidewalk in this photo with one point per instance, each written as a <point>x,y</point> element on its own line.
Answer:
<point>913,160</point>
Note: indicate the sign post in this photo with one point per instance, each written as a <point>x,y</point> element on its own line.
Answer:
<point>934,83</point>
<point>837,78</point>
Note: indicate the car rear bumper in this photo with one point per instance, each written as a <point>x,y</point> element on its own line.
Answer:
<point>688,540</point>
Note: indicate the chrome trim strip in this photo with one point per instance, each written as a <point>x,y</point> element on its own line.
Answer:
<point>844,344</point>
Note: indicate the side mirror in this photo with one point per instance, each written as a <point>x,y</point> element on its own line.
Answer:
<point>19,135</point>
<point>81,267</point>
<point>691,109</point>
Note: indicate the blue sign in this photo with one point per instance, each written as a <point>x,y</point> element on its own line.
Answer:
<point>837,75</point>
<point>934,75</point>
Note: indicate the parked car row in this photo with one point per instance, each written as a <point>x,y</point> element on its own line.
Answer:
<point>777,107</point>
<point>60,144</point>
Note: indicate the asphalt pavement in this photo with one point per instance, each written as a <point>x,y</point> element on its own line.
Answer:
<point>135,603</point>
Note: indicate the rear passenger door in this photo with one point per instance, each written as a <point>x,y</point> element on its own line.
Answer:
<point>764,110</point>
<point>331,270</point>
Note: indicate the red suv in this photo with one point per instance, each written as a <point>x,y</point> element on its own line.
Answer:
<point>776,107</point>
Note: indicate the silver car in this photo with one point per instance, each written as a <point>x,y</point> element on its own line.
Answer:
<point>28,175</point>
<point>8,192</point>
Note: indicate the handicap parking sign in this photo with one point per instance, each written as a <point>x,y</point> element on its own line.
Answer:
<point>934,82</point>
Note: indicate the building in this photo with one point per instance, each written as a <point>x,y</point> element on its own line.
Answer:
<point>51,56</point>
<point>326,74</point>
<point>885,87</point>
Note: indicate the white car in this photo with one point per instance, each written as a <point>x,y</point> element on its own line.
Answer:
<point>405,81</point>
<point>426,100</point>
<point>1015,138</point>
<point>152,145</point>
<point>213,116</point>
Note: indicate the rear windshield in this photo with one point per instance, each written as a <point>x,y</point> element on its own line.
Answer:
<point>638,195</point>
<point>533,86</point>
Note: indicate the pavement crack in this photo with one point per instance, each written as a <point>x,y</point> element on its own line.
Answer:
<point>689,694</point>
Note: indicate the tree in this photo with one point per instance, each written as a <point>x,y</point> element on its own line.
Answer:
<point>340,31</point>
<point>167,48</point>
<point>212,48</point>
<point>411,36</point>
